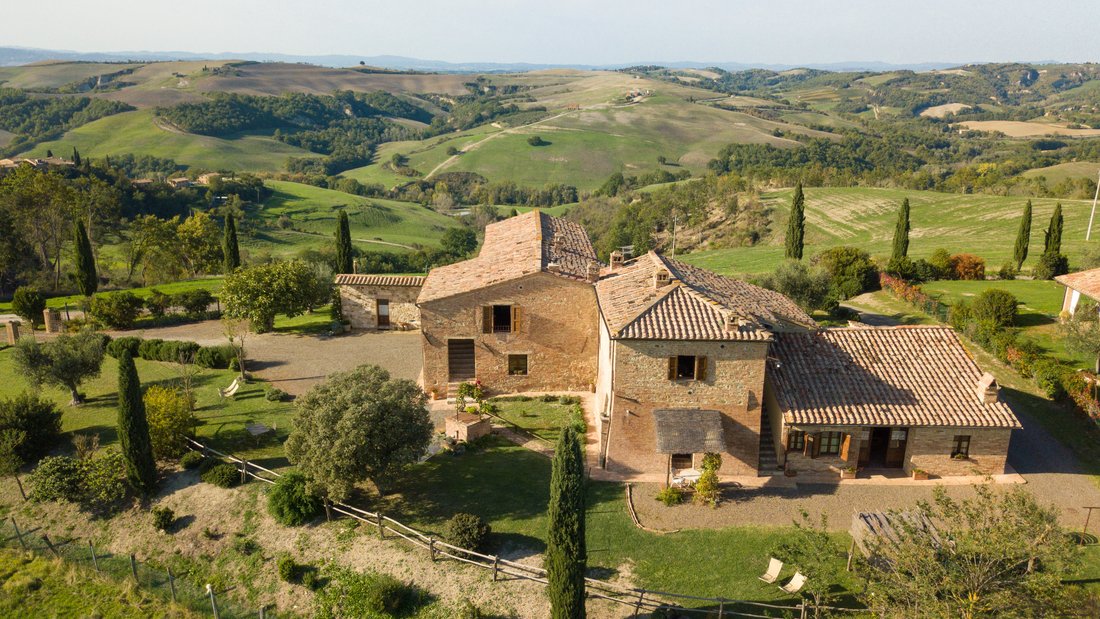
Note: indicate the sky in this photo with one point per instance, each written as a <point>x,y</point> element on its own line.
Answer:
<point>575,31</point>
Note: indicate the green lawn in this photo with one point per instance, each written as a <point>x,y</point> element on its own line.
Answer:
<point>213,284</point>
<point>221,422</point>
<point>544,420</point>
<point>864,217</point>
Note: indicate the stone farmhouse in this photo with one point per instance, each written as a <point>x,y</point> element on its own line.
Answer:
<point>683,361</point>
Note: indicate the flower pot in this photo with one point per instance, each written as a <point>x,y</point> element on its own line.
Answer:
<point>845,474</point>
<point>920,475</point>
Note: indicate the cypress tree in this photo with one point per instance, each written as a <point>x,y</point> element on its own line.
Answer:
<point>1023,237</point>
<point>901,232</point>
<point>86,279</point>
<point>343,245</point>
<point>565,557</point>
<point>133,428</point>
<point>76,157</point>
<point>230,250</point>
<point>1053,244</point>
<point>796,225</point>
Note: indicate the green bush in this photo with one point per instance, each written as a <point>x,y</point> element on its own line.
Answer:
<point>289,570</point>
<point>851,270</point>
<point>128,344</point>
<point>223,475</point>
<point>1007,272</point>
<point>671,496</point>
<point>104,484</point>
<point>191,460</point>
<point>195,303</point>
<point>941,261</point>
<point>576,419</point>
<point>1051,265</point>
<point>901,268</point>
<point>468,531</point>
<point>57,478</point>
<point>959,315</point>
<point>290,503</point>
<point>158,303</point>
<point>707,490</point>
<point>995,305</point>
<point>148,349</point>
<point>569,400</point>
<point>275,395</point>
<point>215,357</point>
<point>163,517</point>
<point>925,271</point>
<point>117,310</point>
<point>39,419</point>
<point>1048,376</point>
<point>29,302</point>
<point>712,461</point>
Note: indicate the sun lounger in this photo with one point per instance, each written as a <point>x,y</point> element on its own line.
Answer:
<point>231,390</point>
<point>774,567</point>
<point>795,584</point>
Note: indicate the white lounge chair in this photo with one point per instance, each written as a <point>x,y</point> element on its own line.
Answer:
<point>795,584</point>
<point>774,567</point>
<point>231,390</point>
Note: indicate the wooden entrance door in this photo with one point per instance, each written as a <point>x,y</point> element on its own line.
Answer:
<point>383,313</point>
<point>895,448</point>
<point>460,360</point>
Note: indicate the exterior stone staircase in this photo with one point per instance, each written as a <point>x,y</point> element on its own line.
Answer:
<point>769,462</point>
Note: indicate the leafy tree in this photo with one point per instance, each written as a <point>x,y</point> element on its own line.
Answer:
<point>1081,333</point>
<point>1053,239</point>
<point>87,281</point>
<point>1023,237</point>
<point>168,413</point>
<point>10,460</point>
<point>260,292</point>
<point>901,232</point>
<point>133,429</point>
<point>36,419</point>
<point>995,305</point>
<point>810,287</point>
<point>358,425</point>
<point>998,551</point>
<point>459,241</point>
<point>851,270</point>
<point>796,225</point>
<point>345,254</point>
<point>116,310</point>
<point>811,550</point>
<point>198,243</point>
<point>566,556</point>
<point>29,302</point>
<point>231,252</point>
<point>1051,264</point>
<point>65,362</point>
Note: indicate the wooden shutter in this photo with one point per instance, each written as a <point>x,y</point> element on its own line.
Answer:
<point>516,313</point>
<point>672,368</point>
<point>816,448</point>
<point>844,444</point>
<point>700,368</point>
<point>487,319</point>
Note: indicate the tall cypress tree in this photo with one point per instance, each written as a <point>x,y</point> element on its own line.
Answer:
<point>133,428</point>
<point>796,225</point>
<point>76,157</point>
<point>344,254</point>
<point>566,556</point>
<point>230,250</point>
<point>86,279</point>
<point>1023,237</point>
<point>901,232</point>
<point>1053,244</point>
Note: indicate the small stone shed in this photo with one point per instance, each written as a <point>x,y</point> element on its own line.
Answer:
<point>380,301</point>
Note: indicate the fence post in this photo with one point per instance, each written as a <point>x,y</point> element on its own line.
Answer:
<point>802,609</point>
<point>95,561</point>
<point>244,471</point>
<point>381,526</point>
<point>263,612</point>
<point>638,604</point>
<point>721,609</point>
<point>213,602</point>
<point>431,547</point>
<point>46,538</point>
<point>171,582</point>
<point>18,533</point>
<point>496,566</point>
<point>133,566</point>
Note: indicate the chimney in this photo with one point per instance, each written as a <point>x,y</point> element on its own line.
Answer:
<point>593,272</point>
<point>616,260</point>
<point>987,389</point>
<point>661,278</point>
<point>734,323</point>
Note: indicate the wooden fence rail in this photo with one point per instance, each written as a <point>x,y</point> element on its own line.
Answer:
<point>640,600</point>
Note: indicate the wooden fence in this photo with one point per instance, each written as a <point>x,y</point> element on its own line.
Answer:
<point>639,600</point>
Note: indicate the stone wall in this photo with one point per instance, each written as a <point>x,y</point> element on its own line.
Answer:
<point>930,449</point>
<point>360,307</point>
<point>557,332</point>
<point>734,386</point>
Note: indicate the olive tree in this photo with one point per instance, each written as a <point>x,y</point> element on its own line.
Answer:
<point>357,426</point>
<point>260,292</point>
<point>65,362</point>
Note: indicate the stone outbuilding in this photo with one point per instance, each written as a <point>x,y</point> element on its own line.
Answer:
<point>380,301</point>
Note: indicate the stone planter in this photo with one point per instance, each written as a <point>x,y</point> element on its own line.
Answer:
<point>919,475</point>
<point>847,474</point>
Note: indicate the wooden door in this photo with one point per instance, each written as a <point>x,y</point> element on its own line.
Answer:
<point>383,312</point>
<point>864,447</point>
<point>895,449</point>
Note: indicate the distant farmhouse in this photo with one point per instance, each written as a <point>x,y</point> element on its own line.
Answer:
<point>684,362</point>
<point>44,163</point>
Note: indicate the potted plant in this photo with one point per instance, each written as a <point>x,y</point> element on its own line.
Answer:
<point>848,472</point>
<point>920,474</point>
<point>788,471</point>
<point>960,456</point>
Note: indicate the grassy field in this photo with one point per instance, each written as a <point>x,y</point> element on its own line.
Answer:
<point>865,217</point>
<point>44,75</point>
<point>1073,170</point>
<point>375,224</point>
<point>1029,129</point>
<point>213,284</point>
<point>138,133</point>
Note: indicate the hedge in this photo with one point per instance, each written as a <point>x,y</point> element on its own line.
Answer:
<point>215,357</point>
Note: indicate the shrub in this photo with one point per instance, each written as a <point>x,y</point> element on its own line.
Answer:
<point>959,315</point>
<point>39,419</point>
<point>275,395</point>
<point>671,496</point>
<point>57,478</point>
<point>117,310</point>
<point>223,475</point>
<point>163,518</point>
<point>29,302</point>
<point>810,286</point>
<point>289,570</point>
<point>158,303</point>
<point>195,303</point>
<point>569,400</point>
<point>1051,265</point>
<point>468,531</point>
<point>290,503</point>
<point>104,481</point>
<point>215,357</point>
<point>995,305</point>
<point>1048,376</point>
<point>352,594</point>
<point>191,460</point>
<point>712,461</point>
<point>535,140</point>
<point>707,490</point>
<point>1007,272</point>
<point>925,271</point>
<point>128,344</point>
<point>967,266</point>
<point>148,349</point>
<point>941,261</point>
<point>468,610</point>
<point>902,268</point>
<point>310,579</point>
<point>170,419</point>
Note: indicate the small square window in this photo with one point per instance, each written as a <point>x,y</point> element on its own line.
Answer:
<point>960,446</point>
<point>796,440</point>
<point>517,365</point>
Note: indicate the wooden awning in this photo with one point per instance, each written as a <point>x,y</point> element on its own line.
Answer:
<point>689,431</point>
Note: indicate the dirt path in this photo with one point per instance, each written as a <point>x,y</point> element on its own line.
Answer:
<point>375,241</point>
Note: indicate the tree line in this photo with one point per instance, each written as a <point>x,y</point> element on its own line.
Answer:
<point>37,119</point>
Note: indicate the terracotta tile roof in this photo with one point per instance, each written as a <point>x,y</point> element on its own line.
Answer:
<point>882,376</point>
<point>1085,282</point>
<point>695,305</point>
<point>349,279</point>
<point>513,248</point>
